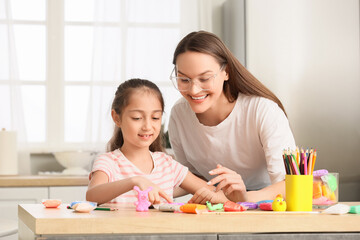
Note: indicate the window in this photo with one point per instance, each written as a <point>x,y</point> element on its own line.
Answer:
<point>62,61</point>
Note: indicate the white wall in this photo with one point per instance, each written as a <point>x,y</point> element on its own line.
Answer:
<point>307,52</point>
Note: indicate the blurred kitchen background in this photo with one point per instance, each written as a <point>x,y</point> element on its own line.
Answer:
<point>62,60</point>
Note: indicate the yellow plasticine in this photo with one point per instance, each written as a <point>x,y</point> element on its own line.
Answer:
<point>325,191</point>
<point>332,196</point>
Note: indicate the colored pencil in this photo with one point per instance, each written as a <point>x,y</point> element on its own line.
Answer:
<point>313,163</point>
<point>299,161</point>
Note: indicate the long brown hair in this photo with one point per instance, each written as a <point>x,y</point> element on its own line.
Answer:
<point>121,100</point>
<point>240,79</point>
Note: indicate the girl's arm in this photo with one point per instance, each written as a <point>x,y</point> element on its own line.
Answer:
<point>201,190</point>
<point>100,190</point>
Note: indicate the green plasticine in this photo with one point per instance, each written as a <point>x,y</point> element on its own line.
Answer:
<point>355,209</point>
<point>330,180</point>
<point>218,206</point>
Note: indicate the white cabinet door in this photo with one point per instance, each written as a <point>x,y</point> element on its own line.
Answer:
<point>10,197</point>
<point>68,194</point>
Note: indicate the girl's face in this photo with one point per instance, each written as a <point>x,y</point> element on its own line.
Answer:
<point>140,121</point>
<point>195,65</point>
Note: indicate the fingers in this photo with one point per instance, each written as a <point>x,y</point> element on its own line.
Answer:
<point>155,197</point>
<point>221,170</point>
<point>165,196</point>
<point>231,188</point>
<point>196,196</point>
<point>201,196</point>
<point>220,178</point>
<point>230,180</point>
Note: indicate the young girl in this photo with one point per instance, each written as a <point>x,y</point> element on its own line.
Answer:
<point>227,119</point>
<point>135,156</point>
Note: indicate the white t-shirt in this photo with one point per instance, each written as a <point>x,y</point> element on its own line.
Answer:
<point>249,141</point>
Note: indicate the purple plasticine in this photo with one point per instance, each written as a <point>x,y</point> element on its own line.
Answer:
<point>249,205</point>
<point>319,173</point>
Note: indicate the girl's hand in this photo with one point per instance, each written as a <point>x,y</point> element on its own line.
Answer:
<point>205,194</point>
<point>155,194</point>
<point>230,183</point>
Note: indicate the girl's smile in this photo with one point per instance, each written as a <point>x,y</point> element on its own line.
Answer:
<point>145,137</point>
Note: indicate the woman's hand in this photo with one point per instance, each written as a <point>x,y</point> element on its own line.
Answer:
<point>205,194</point>
<point>156,192</point>
<point>230,183</point>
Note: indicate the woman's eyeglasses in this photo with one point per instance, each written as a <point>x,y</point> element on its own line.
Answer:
<point>205,82</point>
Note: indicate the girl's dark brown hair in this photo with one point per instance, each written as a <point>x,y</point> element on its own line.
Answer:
<point>240,79</point>
<point>121,100</point>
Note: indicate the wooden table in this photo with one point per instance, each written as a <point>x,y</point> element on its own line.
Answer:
<point>35,221</point>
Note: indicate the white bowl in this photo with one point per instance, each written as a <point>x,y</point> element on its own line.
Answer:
<point>75,162</point>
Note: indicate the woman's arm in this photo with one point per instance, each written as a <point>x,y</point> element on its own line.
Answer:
<point>102,191</point>
<point>234,188</point>
<point>267,193</point>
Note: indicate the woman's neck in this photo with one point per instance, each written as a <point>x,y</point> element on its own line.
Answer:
<point>217,113</point>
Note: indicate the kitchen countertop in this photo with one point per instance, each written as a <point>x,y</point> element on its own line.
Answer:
<point>41,221</point>
<point>43,181</point>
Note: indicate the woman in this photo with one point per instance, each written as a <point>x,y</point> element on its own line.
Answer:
<point>228,124</point>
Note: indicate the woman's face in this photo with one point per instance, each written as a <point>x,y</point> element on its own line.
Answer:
<point>198,66</point>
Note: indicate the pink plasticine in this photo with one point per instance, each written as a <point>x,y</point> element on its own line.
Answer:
<point>142,204</point>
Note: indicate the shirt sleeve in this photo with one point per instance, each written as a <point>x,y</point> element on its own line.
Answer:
<point>105,164</point>
<point>275,135</point>
<point>176,144</point>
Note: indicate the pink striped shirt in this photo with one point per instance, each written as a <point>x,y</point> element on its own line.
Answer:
<point>167,173</point>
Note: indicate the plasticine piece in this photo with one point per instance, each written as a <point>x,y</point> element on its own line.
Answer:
<point>249,205</point>
<point>337,209</point>
<point>326,192</point>
<point>355,209</point>
<point>319,173</point>
<point>279,205</point>
<point>317,192</point>
<point>218,206</point>
<point>330,180</point>
<point>230,206</point>
<point>51,203</point>
<point>333,197</point>
<point>83,206</point>
<point>264,201</point>
<point>192,208</point>
<point>168,207</point>
<point>323,201</point>
<point>267,206</point>
<point>142,204</point>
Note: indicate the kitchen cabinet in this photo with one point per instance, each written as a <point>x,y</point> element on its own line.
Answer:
<point>11,197</point>
<point>16,190</point>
